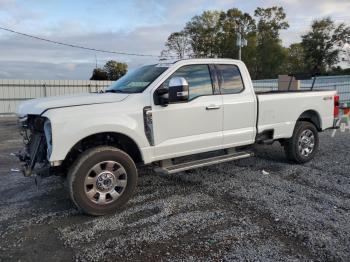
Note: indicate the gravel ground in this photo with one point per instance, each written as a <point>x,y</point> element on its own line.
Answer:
<point>262,208</point>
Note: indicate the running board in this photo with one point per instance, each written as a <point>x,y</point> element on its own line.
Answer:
<point>171,169</point>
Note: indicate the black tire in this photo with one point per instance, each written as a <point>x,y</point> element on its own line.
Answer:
<point>291,146</point>
<point>81,171</point>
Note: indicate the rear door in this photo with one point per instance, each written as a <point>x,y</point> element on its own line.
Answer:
<point>239,107</point>
<point>193,126</point>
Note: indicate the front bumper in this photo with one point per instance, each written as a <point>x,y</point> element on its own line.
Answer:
<point>33,156</point>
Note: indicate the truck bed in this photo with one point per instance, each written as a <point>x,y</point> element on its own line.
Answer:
<point>278,111</point>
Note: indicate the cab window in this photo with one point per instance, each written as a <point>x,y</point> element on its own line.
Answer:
<point>230,79</point>
<point>198,78</point>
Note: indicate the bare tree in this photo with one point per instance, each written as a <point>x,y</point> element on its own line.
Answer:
<point>178,44</point>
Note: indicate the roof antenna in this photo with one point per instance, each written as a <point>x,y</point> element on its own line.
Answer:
<point>95,61</point>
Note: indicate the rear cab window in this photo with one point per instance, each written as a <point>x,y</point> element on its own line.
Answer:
<point>229,78</point>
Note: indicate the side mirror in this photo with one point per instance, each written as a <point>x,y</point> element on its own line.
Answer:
<point>178,89</point>
<point>161,96</point>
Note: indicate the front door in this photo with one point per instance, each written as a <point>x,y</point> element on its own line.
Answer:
<point>193,126</point>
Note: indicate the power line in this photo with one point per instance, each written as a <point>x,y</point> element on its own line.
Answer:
<point>76,46</point>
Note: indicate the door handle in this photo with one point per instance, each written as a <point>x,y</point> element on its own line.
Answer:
<point>212,107</point>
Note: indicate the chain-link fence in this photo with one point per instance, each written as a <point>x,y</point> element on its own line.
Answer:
<point>339,83</point>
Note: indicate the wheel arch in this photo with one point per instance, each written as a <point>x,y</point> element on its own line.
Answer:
<point>114,139</point>
<point>313,117</point>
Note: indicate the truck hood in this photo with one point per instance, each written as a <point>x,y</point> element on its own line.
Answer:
<point>39,105</point>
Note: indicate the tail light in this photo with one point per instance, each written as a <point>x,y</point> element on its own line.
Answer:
<point>336,106</point>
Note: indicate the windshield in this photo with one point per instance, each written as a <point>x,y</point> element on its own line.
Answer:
<point>136,80</point>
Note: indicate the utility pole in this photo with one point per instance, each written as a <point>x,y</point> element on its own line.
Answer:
<point>240,42</point>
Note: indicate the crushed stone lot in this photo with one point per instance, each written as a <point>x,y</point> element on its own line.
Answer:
<point>261,208</point>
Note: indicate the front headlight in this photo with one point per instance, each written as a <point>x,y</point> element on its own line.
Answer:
<point>39,123</point>
<point>48,136</point>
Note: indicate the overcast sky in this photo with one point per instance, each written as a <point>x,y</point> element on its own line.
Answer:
<point>135,26</point>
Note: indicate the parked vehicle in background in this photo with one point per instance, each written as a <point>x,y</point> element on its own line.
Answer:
<point>156,115</point>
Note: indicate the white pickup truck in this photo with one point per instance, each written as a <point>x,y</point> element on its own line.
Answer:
<point>156,115</point>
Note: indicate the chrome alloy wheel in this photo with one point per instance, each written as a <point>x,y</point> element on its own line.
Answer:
<point>105,182</point>
<point>306,143</point>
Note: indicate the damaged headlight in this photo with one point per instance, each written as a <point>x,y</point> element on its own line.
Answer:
<point>39,123</point>
<point>48,136</point>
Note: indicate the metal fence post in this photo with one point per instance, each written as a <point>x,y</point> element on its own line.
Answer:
<point>44,89</point>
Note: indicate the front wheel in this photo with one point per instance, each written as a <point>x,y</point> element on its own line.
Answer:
<point>102,180</point>
<point>303,145</point>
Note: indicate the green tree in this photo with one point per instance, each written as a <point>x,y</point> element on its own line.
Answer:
<point>203,31</point>
<point>323,44</point>
<point>271,21</point>
<point>99,74</point>
<point>249,54</point>
<point>232,22</point>
<point>115,70</point>
<point>270,52</point>
<point>337,70</point>
<point>347,52</point>
<point>295,61</point>
<point>214,34</point>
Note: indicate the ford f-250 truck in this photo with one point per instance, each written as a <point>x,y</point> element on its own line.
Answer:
<point>156,115</point>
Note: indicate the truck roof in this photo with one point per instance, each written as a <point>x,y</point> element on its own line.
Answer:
<point>199,60</point>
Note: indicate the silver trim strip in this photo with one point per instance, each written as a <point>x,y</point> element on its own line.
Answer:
<point>199,163</point>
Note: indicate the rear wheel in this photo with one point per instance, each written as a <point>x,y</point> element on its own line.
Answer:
<point>102,180</point>
<point>303,145</point>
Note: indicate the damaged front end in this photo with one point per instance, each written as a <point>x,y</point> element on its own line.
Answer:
<point>37,137</point>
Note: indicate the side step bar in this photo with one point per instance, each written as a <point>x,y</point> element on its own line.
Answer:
<point>171,169</point>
